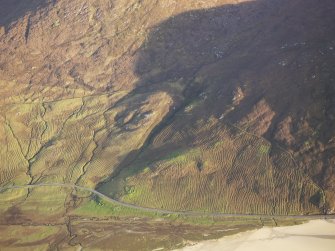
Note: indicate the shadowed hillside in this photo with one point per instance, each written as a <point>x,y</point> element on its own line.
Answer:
<point>12,10</point>
<point>264,67</point>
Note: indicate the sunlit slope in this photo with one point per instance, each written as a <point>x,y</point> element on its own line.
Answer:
<point>78,140</point>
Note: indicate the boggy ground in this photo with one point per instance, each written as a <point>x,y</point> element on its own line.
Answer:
<point>48,222</point>
<point>93,223</point>
<point>111,234</point>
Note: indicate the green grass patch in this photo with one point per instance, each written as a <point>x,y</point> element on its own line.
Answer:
<point>100,208</point>
<point>134,193</point>
<point>181,155</point>
<point>264,149</point>
<point>220,144</point>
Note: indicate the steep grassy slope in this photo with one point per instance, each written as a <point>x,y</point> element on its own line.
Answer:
<point>224,170</point>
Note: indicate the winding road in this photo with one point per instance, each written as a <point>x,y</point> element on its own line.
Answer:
<point>162,211</point>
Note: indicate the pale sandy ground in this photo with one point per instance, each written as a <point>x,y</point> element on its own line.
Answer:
<point>316,235</point>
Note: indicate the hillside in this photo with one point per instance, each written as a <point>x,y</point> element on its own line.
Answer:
<point>209,106</point>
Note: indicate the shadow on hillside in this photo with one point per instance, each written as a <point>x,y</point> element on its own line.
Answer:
<point>268,48</point>
<point>256,45</point>
<point>12,10</point>
<point>279,51</point>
